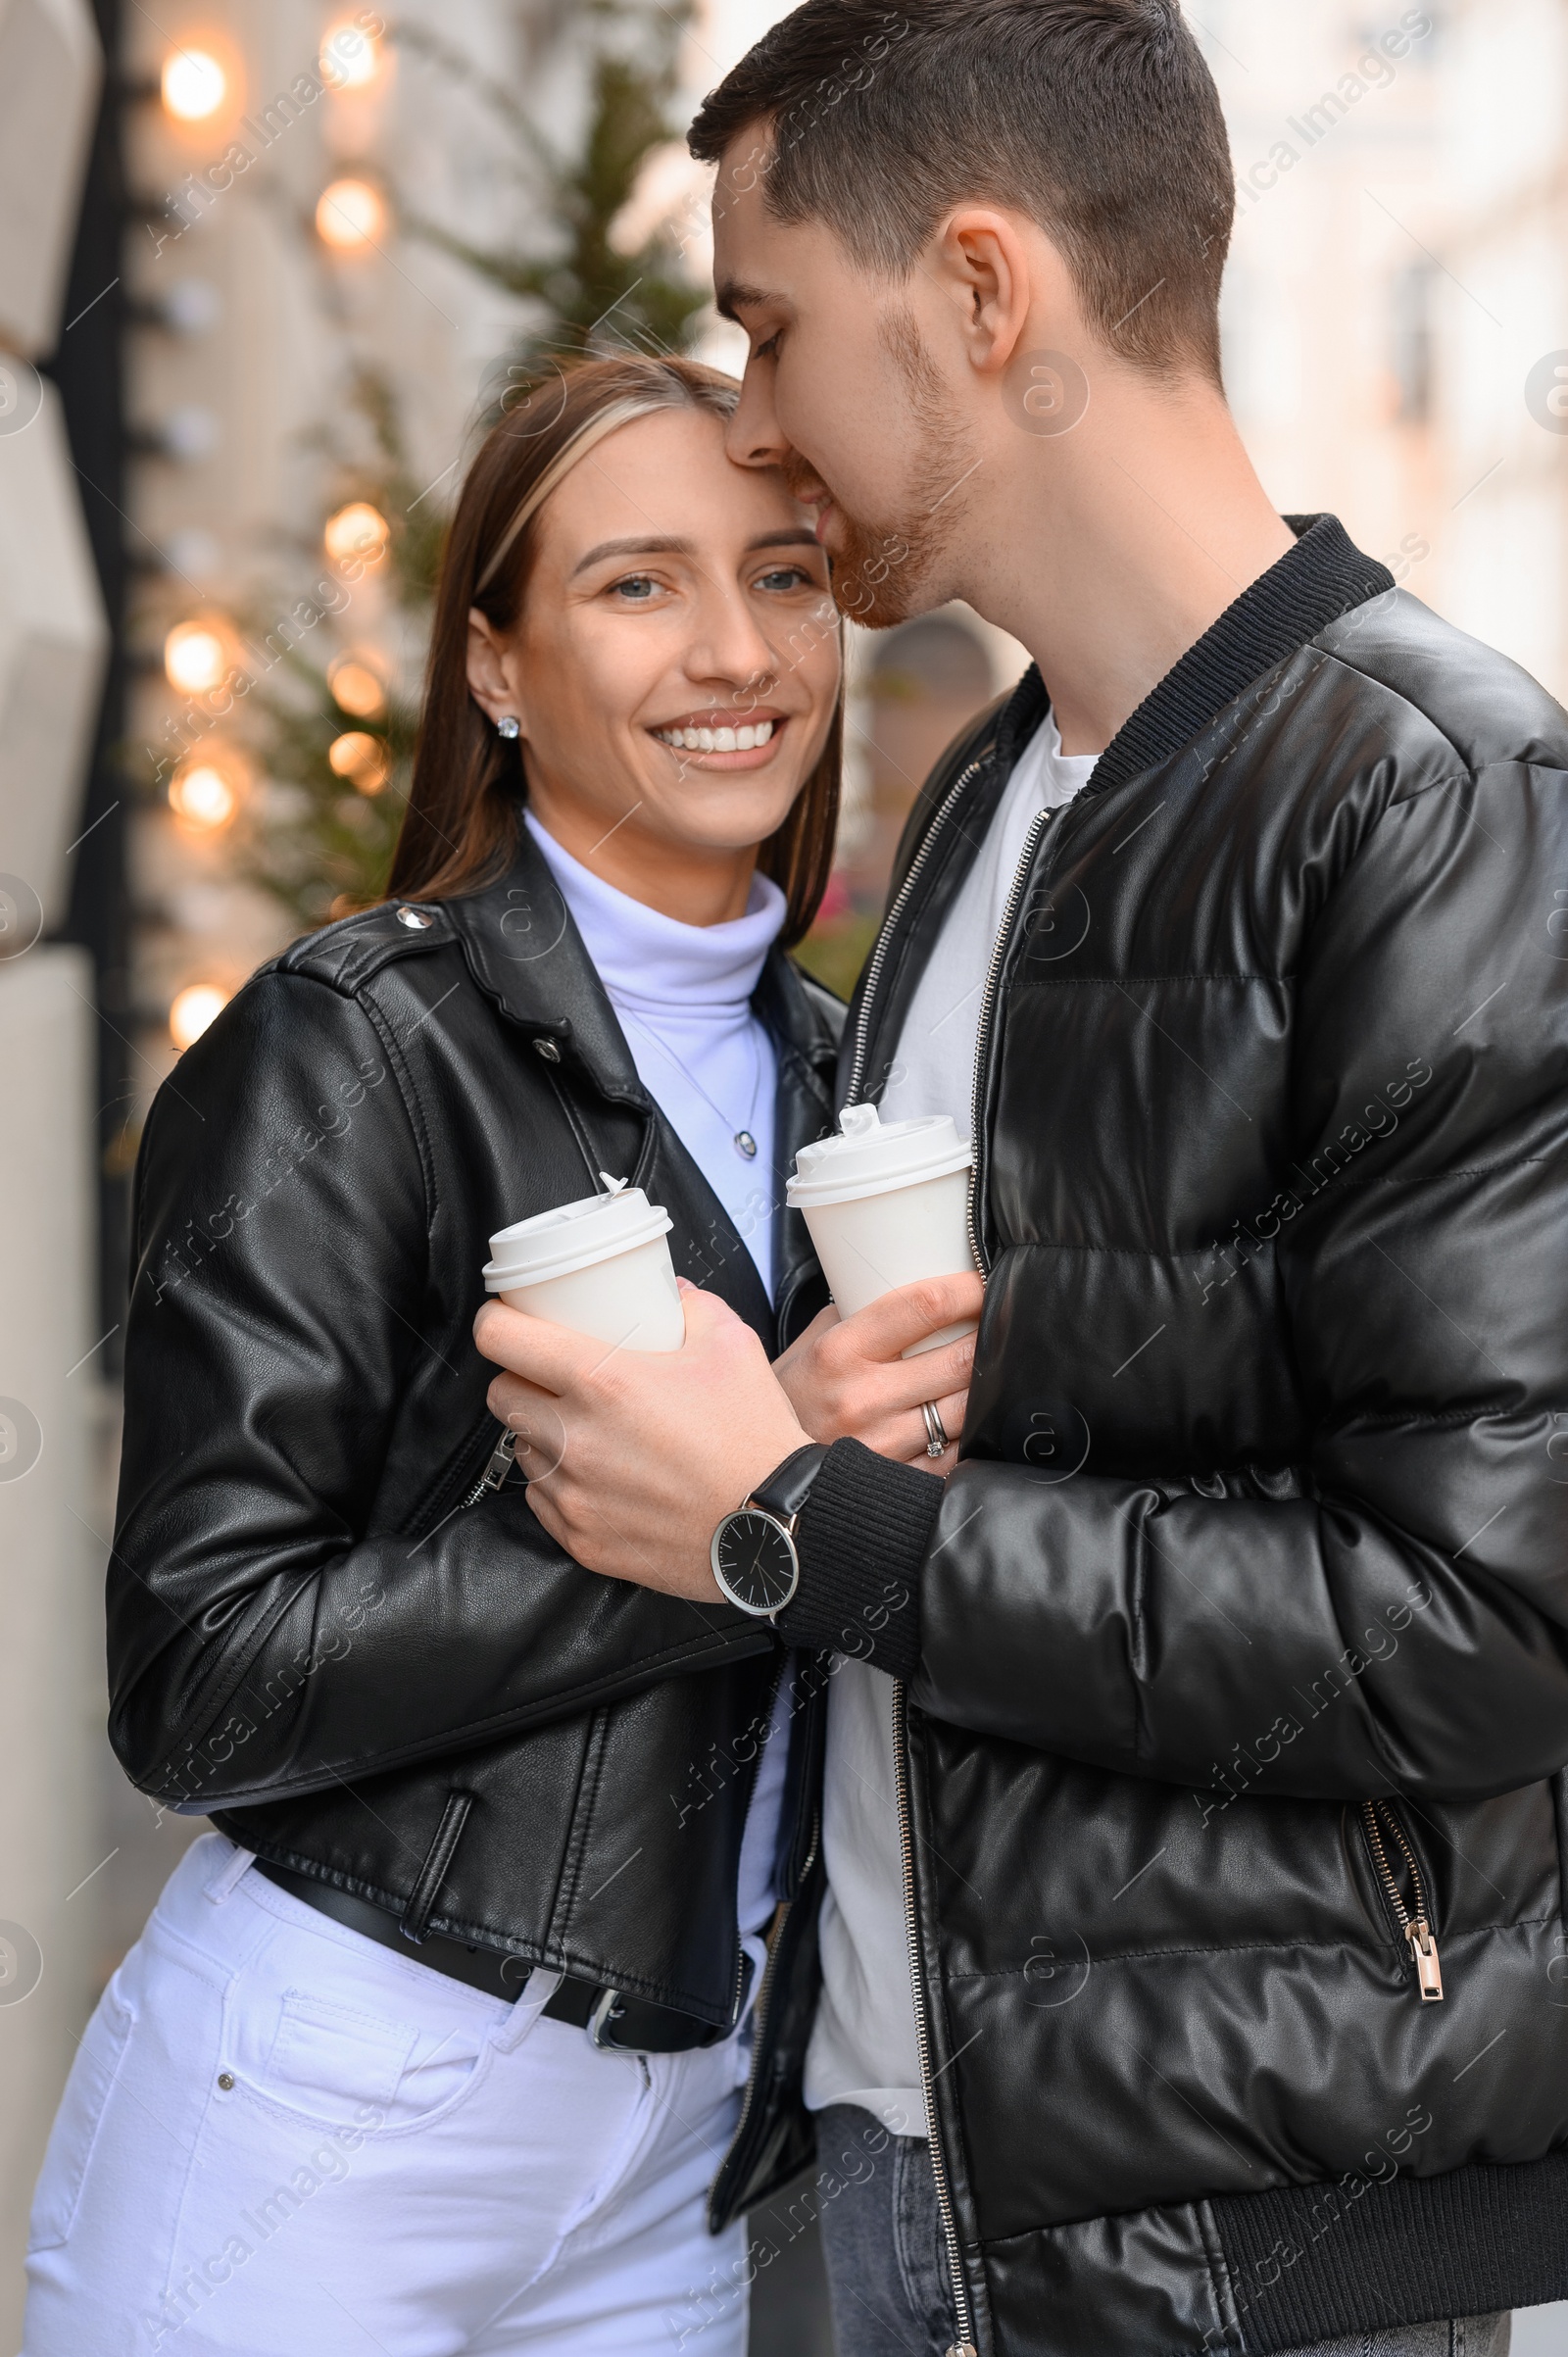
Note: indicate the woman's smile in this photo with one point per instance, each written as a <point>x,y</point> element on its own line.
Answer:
<point>720,742</point>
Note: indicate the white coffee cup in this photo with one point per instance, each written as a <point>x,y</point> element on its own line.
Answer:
<point>887,1204</point>
<point>601,1266</point>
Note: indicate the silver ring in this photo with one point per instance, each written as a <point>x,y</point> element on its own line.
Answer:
<point>936,1432</point>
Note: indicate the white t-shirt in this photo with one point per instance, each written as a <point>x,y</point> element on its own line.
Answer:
<point>863,2047</point>
<point>683,995</point>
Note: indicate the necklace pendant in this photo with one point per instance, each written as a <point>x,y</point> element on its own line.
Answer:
<point>745,1144</point>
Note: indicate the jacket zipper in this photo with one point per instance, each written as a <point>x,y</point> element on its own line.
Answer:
<point>964,2346</point>
<point>764,1997</point>
<point>501,1458</point>
<point>988,1004</point>
<point>740,1945</point>
<point>1416,1925</point>
<point>884,939</point>
<point>764,1987</point>
<point>437,1509</point>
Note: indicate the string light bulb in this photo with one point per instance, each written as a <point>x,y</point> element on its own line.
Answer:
<point>195,1007</point>
<point>196,657</point>
<point>358,532</point>
<point>362,758</point>
<point>350,56</point>
<point>350,215</point>
<point>194,85</point>
<point>205,792</point>
<point>357,688</point>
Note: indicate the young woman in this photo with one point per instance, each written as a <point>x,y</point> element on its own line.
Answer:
<point>439,2041</point>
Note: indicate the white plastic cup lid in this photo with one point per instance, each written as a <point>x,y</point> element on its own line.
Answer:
<point>573,1236</point>
<point>869,1155</point>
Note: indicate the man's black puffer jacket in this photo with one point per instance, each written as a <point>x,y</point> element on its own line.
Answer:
<point>1241,1633</point>
<point>314,1637</point>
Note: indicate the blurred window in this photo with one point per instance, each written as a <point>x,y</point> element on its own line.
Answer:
<point>929,677</point>
<point>1410,333</point>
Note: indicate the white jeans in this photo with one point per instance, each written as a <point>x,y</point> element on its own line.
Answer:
<point>281,2137</point>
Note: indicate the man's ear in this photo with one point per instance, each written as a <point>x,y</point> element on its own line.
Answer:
<point>490,668</point>
<point>998,268</point>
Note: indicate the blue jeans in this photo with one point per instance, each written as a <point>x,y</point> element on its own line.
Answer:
<point>886,2272</point>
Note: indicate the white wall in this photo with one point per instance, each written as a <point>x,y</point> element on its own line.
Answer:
<point>51,1565</point>
<point>52,645</point>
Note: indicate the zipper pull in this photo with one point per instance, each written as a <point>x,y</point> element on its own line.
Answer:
<point>501,1458</point>
<point>1424,1950</point>
<point>963,2348</point>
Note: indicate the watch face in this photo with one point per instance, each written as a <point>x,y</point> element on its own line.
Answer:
<point>753,1561</point>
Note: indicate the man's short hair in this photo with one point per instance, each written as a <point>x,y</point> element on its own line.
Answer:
<point>1099,119</point>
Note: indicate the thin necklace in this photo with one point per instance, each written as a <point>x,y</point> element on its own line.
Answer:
<point>742,1140</point>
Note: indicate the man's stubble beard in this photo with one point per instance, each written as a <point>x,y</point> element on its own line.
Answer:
<point>883,574</point>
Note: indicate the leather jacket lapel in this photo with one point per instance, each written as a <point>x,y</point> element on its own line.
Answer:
<point>526,952</point>
<point>803,1111</point>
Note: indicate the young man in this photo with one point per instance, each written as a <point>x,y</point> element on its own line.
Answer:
<point>1205,1749</point>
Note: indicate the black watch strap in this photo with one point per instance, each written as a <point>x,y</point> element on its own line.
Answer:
<point>787,1487</point>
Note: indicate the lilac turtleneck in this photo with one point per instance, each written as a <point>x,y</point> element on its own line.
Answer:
<point>683,995</point>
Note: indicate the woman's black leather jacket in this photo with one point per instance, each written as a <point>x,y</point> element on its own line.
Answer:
<point>325,1631</point>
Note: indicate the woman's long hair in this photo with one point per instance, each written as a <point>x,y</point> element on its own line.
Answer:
<point>460,830</point>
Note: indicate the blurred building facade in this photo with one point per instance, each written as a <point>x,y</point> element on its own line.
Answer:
<point>53,646</point>
<point>1501,217</point>
<point>1396,309</point>
<point>267,270</point>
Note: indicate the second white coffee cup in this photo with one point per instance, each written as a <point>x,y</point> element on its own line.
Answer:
<point>887,1204</point>
<point>601,1266</point>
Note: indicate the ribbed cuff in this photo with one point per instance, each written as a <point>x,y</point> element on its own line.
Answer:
<point>862,1539</point>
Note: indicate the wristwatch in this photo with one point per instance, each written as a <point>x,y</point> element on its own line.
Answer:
<point>752,1551</point>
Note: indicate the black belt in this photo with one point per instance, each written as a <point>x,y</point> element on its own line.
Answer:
<point>624,2024</point>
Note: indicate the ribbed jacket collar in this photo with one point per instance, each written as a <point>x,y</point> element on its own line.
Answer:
<point>1324,575</point>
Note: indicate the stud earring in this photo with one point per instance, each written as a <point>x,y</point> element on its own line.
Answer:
<point>509,725</point>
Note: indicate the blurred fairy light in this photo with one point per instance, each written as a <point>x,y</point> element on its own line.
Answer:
<point>194,84</point>
<point>195,658</point>
<point>205,793</point>
<point>357,531</point>
<point>357,688</point>
<point>350,56</point>
<point>350,215</point>
<point>362,758</point>
<point>194,1007</point>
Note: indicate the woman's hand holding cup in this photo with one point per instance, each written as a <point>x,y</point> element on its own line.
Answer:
<point>847,1378</point>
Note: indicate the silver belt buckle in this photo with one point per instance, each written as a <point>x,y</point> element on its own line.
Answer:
<point>599,2020</point>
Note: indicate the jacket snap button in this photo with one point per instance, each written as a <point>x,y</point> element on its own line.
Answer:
<point>225,2079</point>
<point>548,1049</point>
<point>417,919</point>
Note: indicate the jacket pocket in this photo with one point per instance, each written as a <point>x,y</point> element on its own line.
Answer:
<point>74,2134</point>
<point>1404,1889</point>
